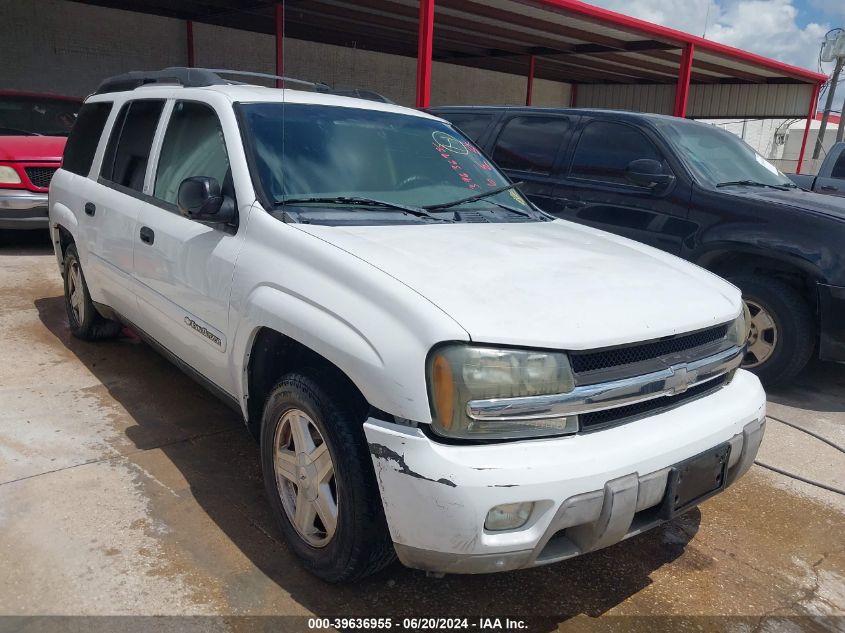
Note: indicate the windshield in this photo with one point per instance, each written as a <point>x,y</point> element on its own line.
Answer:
<point>719,157</point>
<point>321,152</point>
<point>24,115</point>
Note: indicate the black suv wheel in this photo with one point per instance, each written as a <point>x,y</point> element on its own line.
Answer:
<point>781,334</point>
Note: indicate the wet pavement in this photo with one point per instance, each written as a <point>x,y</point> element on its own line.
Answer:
<point>126,489</point>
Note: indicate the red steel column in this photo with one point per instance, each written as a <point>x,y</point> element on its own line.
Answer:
<point>529,86</point>
<point>424,53</point>
<point>189,33</point>
<point>811,115</point>
<point>684,73</point>
<point>573,95</point>
<point>280,42</point>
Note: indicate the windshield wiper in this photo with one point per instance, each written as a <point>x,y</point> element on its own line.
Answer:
<point>421,212</point>
<point>753,183</point>
<point>478,196</point>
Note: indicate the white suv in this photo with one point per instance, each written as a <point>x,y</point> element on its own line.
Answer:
<point>435,369</point>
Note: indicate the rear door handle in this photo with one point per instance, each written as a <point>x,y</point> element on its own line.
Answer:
<point>90,209</point>
<point>829,188</point>
<point>573,204</point>
<point>148,236</point>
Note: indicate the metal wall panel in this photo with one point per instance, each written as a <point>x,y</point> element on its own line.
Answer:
<point>749,100</point>
<point>705,100</point>
<point>640,97</point>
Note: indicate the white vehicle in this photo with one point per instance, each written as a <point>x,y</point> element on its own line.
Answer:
<point>435,369</point>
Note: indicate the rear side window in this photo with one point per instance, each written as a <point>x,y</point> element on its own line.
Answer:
<point>125,160</point>
<point>605,149</point>
<point>839,167</point>
<point>193,146</point>
<point>530,143</point>
<point>472,125</point>
<point>85,136</point>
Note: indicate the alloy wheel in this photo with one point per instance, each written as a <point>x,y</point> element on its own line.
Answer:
<point>762,336</point>
<point>305,477</point>
<point>77,292</point>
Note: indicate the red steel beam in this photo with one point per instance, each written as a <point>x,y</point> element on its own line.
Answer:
<point>606,18</point>
<point>189,34</point>
<point>425,48</point>
<point>529,84</point>
<point>684,74</point>
<point>280,42</point>
<point>811,115</point>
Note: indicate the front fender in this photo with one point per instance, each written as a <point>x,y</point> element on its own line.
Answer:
<point>368,324</point>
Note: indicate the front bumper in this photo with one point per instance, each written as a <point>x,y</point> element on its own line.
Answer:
<point>589,490</point>
<point>22,209</point>
<point>832,330</point>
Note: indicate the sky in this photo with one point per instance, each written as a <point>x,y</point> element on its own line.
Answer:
<point>788,30</point>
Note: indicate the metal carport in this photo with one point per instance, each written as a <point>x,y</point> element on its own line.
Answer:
<point>609,59</point>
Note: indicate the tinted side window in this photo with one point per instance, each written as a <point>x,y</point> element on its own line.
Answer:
<point>472,125</point>
<point>85,136</point>
<point>125,160</point>
<point>530,143</point>
<point>605,149</point>
<point>838,170</point>
<point>193,146</point>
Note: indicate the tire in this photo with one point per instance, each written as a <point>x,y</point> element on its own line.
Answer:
<point>84,320</point>
<point>360,544</point>
<point>791,337</point>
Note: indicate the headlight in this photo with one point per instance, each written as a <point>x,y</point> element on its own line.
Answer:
<point>8,176</point>
<point>738,330</point>
<point>458,374</point>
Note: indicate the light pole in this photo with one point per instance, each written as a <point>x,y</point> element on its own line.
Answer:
<point>833,50</point>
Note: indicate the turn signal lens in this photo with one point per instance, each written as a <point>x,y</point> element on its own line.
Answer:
<point>443,386</point>
<point>508,516</point>
<point>8,176</point>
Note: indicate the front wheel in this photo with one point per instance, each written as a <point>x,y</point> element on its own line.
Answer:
<point>320,480</point>
<point>781,335</point>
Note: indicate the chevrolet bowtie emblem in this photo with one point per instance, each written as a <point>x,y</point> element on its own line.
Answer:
<point>678,382</point>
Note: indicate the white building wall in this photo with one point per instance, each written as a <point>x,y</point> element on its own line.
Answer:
<point>68,48</point>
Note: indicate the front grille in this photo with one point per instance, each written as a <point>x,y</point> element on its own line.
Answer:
<point>40,176</point>
<point>611,417</point>
<point>593,361</point>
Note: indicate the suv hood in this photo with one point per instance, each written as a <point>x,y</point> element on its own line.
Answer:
<point>798,199</point>
<point>545,284</point>
<point>46,149</point>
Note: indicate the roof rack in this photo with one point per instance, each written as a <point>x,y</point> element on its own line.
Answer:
<point>191,78</point>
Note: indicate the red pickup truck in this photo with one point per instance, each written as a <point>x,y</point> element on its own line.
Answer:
<point>33,131</point>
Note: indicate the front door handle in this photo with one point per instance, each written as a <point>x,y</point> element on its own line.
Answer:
<point>90,209</point>
<point>148,236</point>
<point>573,204</point>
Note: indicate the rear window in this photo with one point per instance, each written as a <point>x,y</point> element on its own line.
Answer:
<point>29,116</point>
<point>839,167</point>
<point>85,136</point>
<point>125,160</point>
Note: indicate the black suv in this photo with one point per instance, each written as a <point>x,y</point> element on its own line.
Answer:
<point>695,191</point>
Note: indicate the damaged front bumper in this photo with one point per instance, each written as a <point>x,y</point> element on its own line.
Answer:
<point>589,491</point>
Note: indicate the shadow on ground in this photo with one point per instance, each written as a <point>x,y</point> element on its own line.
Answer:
<point>220,463</point>
<point>818,388</point>
<point>35,242</point>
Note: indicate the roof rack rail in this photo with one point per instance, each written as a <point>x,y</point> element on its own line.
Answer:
<point>190,78</point>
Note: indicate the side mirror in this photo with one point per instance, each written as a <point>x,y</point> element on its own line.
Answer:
<point>647,172</point>
<point>200,199</point>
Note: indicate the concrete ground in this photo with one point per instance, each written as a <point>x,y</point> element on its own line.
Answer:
<point>125,488</point>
